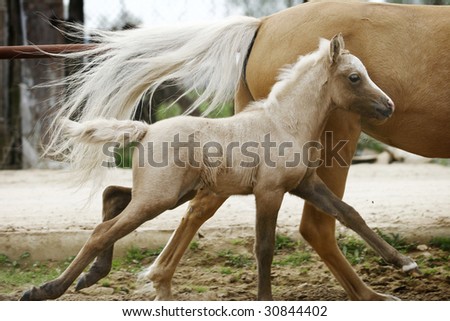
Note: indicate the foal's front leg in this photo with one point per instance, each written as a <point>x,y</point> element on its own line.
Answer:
<point>267,206</point>
<point>313,190</point>
<point>200,209</point>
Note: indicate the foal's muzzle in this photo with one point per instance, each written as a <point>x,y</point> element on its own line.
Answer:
<point>385,107</point>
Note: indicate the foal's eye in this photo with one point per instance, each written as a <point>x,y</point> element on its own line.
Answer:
<point>354,78</point>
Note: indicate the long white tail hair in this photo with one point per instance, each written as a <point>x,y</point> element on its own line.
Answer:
<point>206,57</point>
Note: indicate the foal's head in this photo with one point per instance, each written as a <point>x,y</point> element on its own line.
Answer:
<point>351,87</point>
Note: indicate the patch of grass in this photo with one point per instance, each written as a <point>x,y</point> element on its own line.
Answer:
<point>106,283</point>
<point>137,255</point>
<point>4,260</point>
<point>295,259</point>
<point>237,242</point>
<point>199,289</point>
<point>234,260</point>
<point>396,241</point>
<point>194,246</point>
<point>15,278</point>
<point>441,161</point>
<point>226,270</point>
<point>429,271</point>
<point>19,273</point>
<point>354,250</point>
<point>442,243</point>
<point>283,242</point>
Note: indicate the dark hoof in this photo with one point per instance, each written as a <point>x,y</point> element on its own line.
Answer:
<point>82,283</point>
<point>26,296</point>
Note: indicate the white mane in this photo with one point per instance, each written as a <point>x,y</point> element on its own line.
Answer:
<point>294,72</point>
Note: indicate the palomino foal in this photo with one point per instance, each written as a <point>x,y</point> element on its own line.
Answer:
<point>292,116</point>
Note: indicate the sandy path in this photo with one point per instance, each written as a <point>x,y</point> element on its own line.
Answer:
<point>412,200</point>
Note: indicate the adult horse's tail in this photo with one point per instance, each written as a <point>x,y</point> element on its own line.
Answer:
<point>125,65</point>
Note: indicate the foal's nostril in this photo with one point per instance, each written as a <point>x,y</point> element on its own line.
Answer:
<point>390,104</point>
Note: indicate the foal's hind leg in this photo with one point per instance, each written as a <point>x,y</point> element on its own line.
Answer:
<point>115,200</point>
<point>313,190</point>
<point>103,237</point>
<point>267,205</point>
<point>201,208</point>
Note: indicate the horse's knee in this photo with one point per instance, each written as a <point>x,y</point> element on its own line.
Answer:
<point>197,214</point>
<point>203,206</point>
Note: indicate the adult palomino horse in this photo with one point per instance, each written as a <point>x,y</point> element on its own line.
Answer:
<point>405,49</point>
<point>292,116</point>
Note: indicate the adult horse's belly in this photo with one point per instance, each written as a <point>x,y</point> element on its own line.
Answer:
<point>406,50</point>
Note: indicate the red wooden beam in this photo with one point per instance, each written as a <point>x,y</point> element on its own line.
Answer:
<point>31,52</point>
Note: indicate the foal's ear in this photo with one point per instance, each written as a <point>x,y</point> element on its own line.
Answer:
<point>336,46</point>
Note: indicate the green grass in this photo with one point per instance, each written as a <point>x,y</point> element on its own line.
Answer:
<point>194,246</point>
<point>442,243</point>
<point>396,241</point>
<point>225,270</point>
<point>295,259</point>
<point>237,242</point>
<point>200,289</point>
<point>354,249</point>
<point>442,161</point>
<point>23,272</point>
<point>137,255</point>
<point>235,260</point>
<point>283,242</point>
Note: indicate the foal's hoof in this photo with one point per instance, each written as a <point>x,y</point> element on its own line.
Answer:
<point>412,269</point>
<point>82,283</point>
<point>28,295</point>
<point>388,297</point>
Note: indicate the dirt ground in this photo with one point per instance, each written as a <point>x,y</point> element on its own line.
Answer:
<point>408,200</point>
<point>226,271</point>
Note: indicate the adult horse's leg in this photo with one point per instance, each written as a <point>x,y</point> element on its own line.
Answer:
<point>267,205</point>
<point>200,209</point>
<point>115,200</point>
<point>318,228</point>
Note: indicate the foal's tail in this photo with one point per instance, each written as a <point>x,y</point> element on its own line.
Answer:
<point>127,64</point>
<point>102,131</point>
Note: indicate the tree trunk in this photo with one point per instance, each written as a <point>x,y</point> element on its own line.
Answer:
<point>10,123</point>
<point>24,112</point>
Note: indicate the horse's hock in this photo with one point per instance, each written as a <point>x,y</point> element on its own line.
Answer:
<point>41,214</point>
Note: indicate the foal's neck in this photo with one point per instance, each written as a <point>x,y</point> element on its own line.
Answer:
<point>302,104</point>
